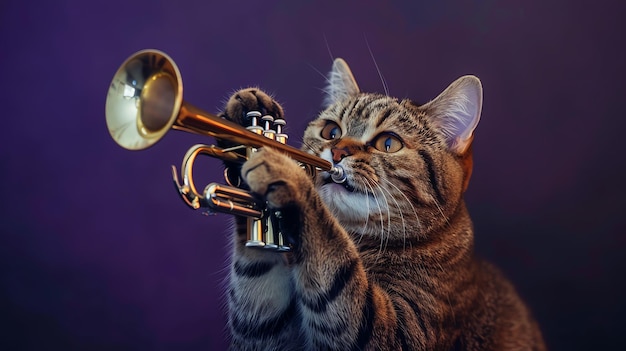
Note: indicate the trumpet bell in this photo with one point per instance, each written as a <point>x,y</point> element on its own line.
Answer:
<point>144,99</point>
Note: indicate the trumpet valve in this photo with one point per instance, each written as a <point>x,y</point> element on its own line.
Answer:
<point>254,122</point>
<point>280,136</point>
<point>268,132</point>
<point>255,233</point>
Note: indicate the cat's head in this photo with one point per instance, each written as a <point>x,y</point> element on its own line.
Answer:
<point>407,165</point>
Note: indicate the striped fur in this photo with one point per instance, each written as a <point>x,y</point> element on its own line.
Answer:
<point>387,262</point>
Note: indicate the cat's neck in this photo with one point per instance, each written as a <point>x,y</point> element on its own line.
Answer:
<point>455,239</point>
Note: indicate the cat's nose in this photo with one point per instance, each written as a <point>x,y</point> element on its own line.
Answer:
<point>340,153</point>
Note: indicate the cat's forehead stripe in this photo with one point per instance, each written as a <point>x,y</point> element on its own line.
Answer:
<point>383,116</point>
<point>374,109</point>
<point>347,109</point>
<point>362,107</point>
<point>357,110</point>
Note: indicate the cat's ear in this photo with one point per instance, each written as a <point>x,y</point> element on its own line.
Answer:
<point>341,83</point>
<point>456,112</point>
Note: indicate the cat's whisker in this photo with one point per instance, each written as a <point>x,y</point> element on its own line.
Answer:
<point>384,239</point>
<point>399,212</point>
<point>308,146</point>
<point>330,53</point>
<point>383,190</point>
<point>380,212</point>
<point>419,224</point>
<point>382,79</point>
<point>367,218</point>
<point>440,210</point>
<point>320,73</point>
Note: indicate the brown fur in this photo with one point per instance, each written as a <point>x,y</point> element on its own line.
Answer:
<point>388,262</point>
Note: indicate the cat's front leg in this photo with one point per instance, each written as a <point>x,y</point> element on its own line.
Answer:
<point>336,301</point>
<point>261,303</point>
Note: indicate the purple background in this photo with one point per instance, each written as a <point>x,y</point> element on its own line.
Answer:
<point>97,252</point>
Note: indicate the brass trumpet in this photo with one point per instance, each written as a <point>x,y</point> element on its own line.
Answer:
<point>145,101</point>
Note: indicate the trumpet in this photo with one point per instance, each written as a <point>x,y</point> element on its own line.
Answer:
<point>145,101</point>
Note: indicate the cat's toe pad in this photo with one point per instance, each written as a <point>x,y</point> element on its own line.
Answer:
<point>251,99</point>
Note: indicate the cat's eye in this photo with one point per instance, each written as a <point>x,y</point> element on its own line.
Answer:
<point>388,142</point>
<point>331,131</point>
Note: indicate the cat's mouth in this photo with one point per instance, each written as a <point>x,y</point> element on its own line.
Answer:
<point>346,185</point>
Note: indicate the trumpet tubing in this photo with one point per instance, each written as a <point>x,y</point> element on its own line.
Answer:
<point>144,102</point>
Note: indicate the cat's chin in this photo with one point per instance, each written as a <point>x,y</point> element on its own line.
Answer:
<point>345,203</point>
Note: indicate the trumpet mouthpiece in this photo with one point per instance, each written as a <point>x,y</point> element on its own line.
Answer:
<point>337,174</point>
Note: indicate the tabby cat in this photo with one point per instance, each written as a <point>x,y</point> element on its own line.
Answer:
<point>383,261</point>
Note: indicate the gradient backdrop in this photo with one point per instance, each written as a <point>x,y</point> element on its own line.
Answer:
<point>97,251</point>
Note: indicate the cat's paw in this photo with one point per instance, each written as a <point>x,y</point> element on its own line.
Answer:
<point>250,99</point>
<point>236,109</point>
<point>276,177</point>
